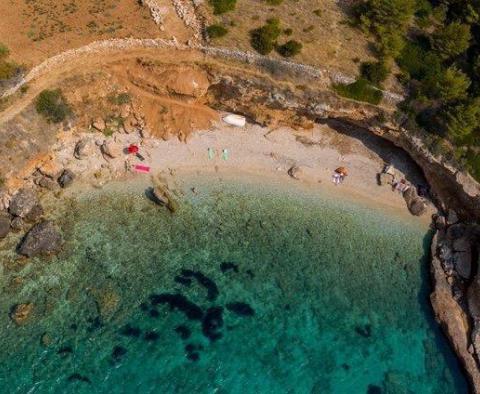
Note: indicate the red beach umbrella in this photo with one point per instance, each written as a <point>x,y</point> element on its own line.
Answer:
<point>133,149</point>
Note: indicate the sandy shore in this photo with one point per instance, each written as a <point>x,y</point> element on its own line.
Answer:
<point>260,153</point>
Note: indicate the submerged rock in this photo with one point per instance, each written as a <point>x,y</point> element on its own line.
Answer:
<point>178,302</point>
<point>183,331</point>
<point>130,331</point>
<point>76,377</point>
<point>118,352</point>
<point>203,280</point>
<point>151,336</point>
<point>241,309</point>
<point>212,323</point>
<point>35,214</point>
<point>43,238</point>
<point>21,312</point>
<point>227,266</point>
<point>23,202</point>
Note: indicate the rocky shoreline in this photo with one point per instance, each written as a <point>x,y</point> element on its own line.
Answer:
<point>457,195</point>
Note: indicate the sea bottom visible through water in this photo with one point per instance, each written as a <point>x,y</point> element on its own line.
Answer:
<point>244,289</point>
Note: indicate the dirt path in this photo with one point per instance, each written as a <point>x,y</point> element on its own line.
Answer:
<point>53,69</point>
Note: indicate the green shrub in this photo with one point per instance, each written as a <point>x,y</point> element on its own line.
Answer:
<point>7,69</point>
<point>360,90</point>
<point>52,105</point>
<point>263,39</point>
<point>290,48</point>
<point>317,12</point>
<point>451,40</point>
<point>418,62</point>
<point>4,51</point>
<point>374,72</point>
<point>288,31</point>
<point>216,31</point>
<point>222,6</point>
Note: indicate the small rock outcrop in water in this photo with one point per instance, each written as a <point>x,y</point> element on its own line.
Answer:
<point>43,238</point>
<point>21,312</point>
<point>23,202</point>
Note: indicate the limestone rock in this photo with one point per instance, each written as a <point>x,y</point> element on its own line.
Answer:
<point>17,224</point>
<point>111,149</point>
<point>456,231</point>
<point>21,312</point>
<point>475,337</point>
<point>385,179</point>
<point>473,298</point>
<point>43,238</point>
<point>452,217</point>
<point>47,183</point>
<point>99,124</point>
<point>23,202</point>
<point>440,222</point>
<point>66,179</point>
<point>463,264</point>
<point>35,214</point>
<point>296,172</point>
<point>417,207</point>
<point>84,149</point>
<point>4,225</point>
<point>51,169</point>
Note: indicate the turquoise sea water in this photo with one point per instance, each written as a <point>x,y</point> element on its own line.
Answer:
<point>334,299</point>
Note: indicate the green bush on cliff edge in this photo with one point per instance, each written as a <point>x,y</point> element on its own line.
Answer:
<point>52,105</point>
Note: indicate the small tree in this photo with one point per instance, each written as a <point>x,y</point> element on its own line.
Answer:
<point>263,39</point>
<point>52,105</point>
<point>451,40</point>
<point>375,72</point>
<point>222,6</point>
<point>462,119</point>
<point>290,48</point>
<point>216,31</point>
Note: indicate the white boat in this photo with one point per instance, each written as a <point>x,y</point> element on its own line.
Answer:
<point>235,120</point>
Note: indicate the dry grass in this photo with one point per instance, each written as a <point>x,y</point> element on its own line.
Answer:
<point>320,25</point>
<point>38,29</point>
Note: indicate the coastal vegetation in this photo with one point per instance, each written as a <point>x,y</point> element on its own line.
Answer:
<point>222,6</point>
<point>8,69</point>
<point>52,105</point>
<point>436,46</point>
<point>216,31</point>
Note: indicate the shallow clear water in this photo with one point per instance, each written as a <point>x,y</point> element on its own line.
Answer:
<point>338,292</point>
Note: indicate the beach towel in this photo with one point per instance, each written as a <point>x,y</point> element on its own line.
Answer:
<point>211,153</point>
<point>142,169</point>
<point>225,154</point>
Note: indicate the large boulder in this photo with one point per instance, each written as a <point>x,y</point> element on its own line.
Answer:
<point>4,225</point>
<point>84,149</point>
<point>111,149</point>
<point>43,238</point>
<point>463,264</point>
<point>23,202</point>
<point>21,312</point>
<point>417,207</point>
<point>385,179</point>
